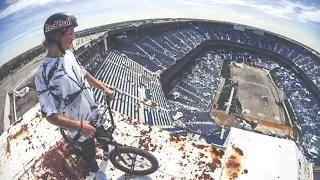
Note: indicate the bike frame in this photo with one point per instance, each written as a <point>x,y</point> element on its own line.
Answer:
<point>107,134</point>
<point>113,142</point>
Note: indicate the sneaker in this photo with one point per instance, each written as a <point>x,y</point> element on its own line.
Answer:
<point>100,175</point>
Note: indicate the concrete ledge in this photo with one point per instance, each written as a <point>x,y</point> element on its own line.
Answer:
<point>6,113</point>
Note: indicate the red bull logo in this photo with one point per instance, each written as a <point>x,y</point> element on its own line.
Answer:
<point>58,24</point>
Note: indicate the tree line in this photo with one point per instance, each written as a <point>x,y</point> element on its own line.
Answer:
<point>20,60</point>
<point>25,57</point>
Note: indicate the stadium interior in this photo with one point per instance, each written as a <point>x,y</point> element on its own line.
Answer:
<point>181,75</point>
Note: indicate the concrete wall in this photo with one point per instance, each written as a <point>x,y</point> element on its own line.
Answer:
<point>6,112</point>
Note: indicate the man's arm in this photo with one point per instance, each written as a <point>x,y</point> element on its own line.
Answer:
<point>61,121</point>
<point>97,84</point>
<point>86,130</point>
<point>94,82</point>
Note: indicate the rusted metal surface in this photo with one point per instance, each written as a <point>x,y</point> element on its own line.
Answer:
<point>234,164</point>
<point>251,156</point>
<point>34,149</point>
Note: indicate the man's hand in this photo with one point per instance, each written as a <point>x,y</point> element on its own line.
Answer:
<point>107,93</point>
<point>87,130</point>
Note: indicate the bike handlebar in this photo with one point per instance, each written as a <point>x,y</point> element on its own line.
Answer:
<point>107,101</point>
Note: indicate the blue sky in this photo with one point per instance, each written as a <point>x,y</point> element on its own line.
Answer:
<point>21,21</point>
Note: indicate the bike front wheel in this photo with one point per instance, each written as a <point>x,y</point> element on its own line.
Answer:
<point>136,161</point>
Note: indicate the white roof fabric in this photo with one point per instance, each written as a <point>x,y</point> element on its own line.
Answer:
<point>251,156</point>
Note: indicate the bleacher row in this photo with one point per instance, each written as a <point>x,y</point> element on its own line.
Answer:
<point>305,106</point>
<point>157,117</point>
<point>238,55</point>
<point>157,94</point>
<point>194,93</point>
<point>127,77</point>
<point>89,55</point>
<point>161,51</point>
<point>126,104</point>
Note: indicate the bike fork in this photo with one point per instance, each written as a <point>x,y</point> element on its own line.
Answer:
<point>129,175</point>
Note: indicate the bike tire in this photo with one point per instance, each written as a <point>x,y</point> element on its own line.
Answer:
<point>66,137</point>
<point>132,150</point>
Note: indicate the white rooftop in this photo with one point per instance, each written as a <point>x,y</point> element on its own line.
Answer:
<point>256,156</point>
<point>81,41</point>
<point>33,149</point>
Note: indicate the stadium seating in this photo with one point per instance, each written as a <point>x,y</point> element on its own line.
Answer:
<point>135,65</point>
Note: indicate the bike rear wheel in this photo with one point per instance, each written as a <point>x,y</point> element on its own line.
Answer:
<point>143,162</point>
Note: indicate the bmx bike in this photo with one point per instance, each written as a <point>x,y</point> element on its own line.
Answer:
<point>131,160</point>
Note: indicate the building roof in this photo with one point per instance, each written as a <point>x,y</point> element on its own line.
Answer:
<point>33,148</point>
<point>256,156</point>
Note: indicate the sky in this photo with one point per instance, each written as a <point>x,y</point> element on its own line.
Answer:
<point>21,21</point>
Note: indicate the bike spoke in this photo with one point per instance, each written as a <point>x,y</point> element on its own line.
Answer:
<point>134,162</point>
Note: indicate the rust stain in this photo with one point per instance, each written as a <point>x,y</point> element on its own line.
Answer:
<point>58,164</point>
<point>239,151</point>
<point>205,166</point>
<point>21,132</point>
<point>176,138</point>
<point>234,166</point>
<point>177,141</point>
<point>145,140</point>
<point>130,121</point>
<point>143,132</point>
<point>38,115</point>
<point>216,155</point>
<point>205,176</point>
<point>270,124</point>
<point>199,146</point>
<point>8,146</point>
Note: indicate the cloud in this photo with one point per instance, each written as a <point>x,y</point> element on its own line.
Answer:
<point>282,12</point>
<point>313,16</point>
<point>283,9</point>
<point>16,6</point>
<point>292,10</point>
